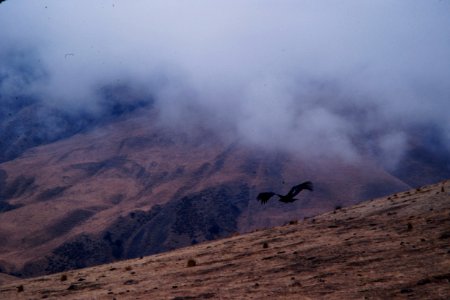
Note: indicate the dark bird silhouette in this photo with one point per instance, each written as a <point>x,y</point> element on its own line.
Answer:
<point>289,197</point>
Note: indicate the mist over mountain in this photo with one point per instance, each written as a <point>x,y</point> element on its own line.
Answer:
<point>131,128</point>
<point>321,81</point>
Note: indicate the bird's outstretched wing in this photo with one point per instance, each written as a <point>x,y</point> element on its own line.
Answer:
<point>307,185</point>
<point>264,197</point>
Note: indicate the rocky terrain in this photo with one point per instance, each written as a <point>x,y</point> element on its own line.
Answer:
<point>392,247</point>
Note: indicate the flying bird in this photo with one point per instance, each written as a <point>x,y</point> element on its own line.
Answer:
<point>289,197</point>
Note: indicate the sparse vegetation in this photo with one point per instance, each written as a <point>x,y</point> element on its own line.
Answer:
<point>406,291</point>
<point>410,227</point>
<point>338,207</point>
<point>297,255</point>
<point>424,281</point>
<point>191,263</point>
<point>20,288</point>
<point>444,235</point>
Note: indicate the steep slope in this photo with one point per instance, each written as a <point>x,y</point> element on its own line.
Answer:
<point>64,202</point>
<point>5,278</point>
<point>392,247</point>
<point>27,122</point>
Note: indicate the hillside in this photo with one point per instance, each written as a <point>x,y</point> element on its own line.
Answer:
<point>391,247</point>
<point>132,187</point>
<point>5,278</point>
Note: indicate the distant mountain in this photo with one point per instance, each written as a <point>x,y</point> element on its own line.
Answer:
<point>117,184</point>
<point>26,122</point>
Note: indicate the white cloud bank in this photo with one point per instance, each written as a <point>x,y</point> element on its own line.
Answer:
<point>320,77</point>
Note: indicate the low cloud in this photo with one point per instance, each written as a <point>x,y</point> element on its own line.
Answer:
<point>329,79</point>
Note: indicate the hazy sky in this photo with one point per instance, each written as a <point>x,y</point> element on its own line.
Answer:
<point>328,78</point>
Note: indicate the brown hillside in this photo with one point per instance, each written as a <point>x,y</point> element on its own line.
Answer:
<point>85,190</point>
<point>393,247</point>
<point>5,278</point>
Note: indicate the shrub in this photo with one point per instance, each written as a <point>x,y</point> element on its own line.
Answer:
<point>191,263</point>
<point>265,245</point>
<point>63,277</point>
<point>20,288</point>
<point>444,235</point>
<point>410,227</point>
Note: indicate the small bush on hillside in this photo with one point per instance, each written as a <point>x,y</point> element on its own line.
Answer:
<point>265,245</point>
<point>20,288</point>
<point>191,263</point>
<point>410,227</point>
<point>63,277</point>
<point>444,235</point>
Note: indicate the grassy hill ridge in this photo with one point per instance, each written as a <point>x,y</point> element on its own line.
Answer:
<point>391,247</point>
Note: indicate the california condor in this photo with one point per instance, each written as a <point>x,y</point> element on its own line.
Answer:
<point>289,197</point>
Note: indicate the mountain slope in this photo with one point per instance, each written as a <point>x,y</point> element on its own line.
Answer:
<point>75,197</point>
<point>392,247</point>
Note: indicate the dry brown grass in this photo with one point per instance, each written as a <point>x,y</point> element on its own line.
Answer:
<point>363,251</point>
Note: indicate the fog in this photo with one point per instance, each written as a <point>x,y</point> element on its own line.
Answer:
<point>341,79</point>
